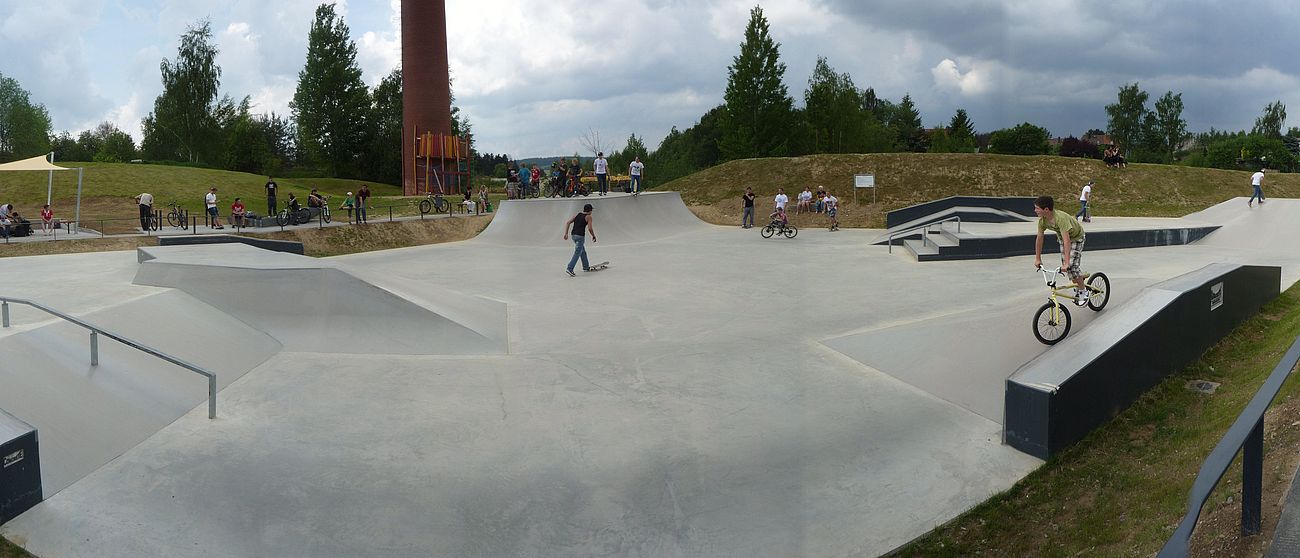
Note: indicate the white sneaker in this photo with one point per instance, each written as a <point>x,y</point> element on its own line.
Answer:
<point>1081,299</point>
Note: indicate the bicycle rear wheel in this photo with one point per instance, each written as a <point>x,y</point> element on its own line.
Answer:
<point>1051,323</point>
<point>768,231</point>
<point>174,218</point>
<point>426,205</point>
<point>1098,291</point>
<point>325,213</point>
<point>282,218</point>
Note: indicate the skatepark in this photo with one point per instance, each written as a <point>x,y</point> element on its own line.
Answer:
<point>712,393</point>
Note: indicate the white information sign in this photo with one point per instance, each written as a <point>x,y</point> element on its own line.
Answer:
<point>864,181</point>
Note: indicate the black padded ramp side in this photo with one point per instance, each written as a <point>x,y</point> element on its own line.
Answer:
<point>1056,399</point>
<point>1016,204</point>
<point>20,467</point>
<point>289,246</point>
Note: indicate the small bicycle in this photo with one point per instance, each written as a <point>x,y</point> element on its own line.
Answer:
<point>1052,320</point>
<point>178,217</point>
<point>777,227</point>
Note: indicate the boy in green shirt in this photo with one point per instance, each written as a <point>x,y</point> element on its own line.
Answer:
<point>1070,233</point>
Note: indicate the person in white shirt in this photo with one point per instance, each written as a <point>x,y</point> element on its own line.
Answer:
<point>1084,197</point>
<point>634,171</point>
<point>781,198</point>
<point>1257,181</point>
<point>601,166</point>
<point>145,202</point>
<point>211,201</point>
<point>832,209</point>
<point>805,201</point>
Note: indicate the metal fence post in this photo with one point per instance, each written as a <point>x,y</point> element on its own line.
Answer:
<point>4,309</point>
<point>94,348</point>
<point>1252,481</point>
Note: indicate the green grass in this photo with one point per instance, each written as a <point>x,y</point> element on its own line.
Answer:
<point>1122,490</point>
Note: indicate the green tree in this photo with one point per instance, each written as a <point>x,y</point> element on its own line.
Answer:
<point>181,126</point>
<point>1171,129</point>
<point>247,148</point>
<point>1270,123</point>
<point>905,120</point>
<point>1024,139</point>
<point>112,144</point>
<point>384,163</point>
<point>635,147</point>
<point>24,127</point>
<point>757,117</point>
<point>331,104</point>
<point>1124,117</point>
<point>961,127</point>
<point>833,111</point>
<point>280,133</point>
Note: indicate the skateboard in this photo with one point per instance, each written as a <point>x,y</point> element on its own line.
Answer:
<point>598,267</point>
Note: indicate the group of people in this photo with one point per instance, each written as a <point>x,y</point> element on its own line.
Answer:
<point>14,224</point>
<point>565,178</point>
<point>1112,158</point>
<point>826,202</point>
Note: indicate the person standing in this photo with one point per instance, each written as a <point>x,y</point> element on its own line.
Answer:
<point>1257,182</point>
<point>145,201</point>
<point>1084,197</point>
<point>363,203</point>
<point>211,201</point>
<point>578,226</point>
<point>781,199</point>
<point>747,219</point>
<point>47,219</point>
<point>634,172</point>
<point>832,207</point>
<point>349,203</point>
<point>601,166</point>
<point>270,197</point>
<point>536,175</point>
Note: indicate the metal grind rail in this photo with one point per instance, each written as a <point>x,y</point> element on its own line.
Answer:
<point>95,332</point>
<point>1246,436</point>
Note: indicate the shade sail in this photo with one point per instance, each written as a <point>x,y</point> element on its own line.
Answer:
<point>37,163</point>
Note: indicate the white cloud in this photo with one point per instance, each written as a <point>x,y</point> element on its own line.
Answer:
<point>948,76</point>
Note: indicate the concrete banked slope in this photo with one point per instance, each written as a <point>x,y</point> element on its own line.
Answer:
<point>617,219</point>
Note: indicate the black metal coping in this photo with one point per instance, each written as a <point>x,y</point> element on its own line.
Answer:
<point>20,467</point>
<point>1015,204</point>
<point>976,247</point>
<point>289,246</point>
<point>1056,399</point>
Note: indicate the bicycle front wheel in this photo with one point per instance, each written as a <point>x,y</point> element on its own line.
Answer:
<point>1098,291</point>
<point>325,213</point>
<point>282,218</point>
<point>1051,323</point>
<point>174,219</point>
<point>789,232</point>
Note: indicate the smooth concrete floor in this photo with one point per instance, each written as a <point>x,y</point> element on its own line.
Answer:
<point>713,393</point>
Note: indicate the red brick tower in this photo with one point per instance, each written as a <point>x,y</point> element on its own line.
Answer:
<point>426,95</point>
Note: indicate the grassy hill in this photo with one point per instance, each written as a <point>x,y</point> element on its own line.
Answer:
<point>108,189</point>
<point>904,179</point>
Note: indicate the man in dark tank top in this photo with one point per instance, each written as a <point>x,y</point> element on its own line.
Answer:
<point>578,226</point>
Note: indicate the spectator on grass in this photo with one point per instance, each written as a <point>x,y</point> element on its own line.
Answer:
<point>210,201</point>
<point>747,219</point>
<point>315,200</point>
<point>237,211</point>
<point>348,205</point>
<point>145,202</point>
<point>805,201</point>
<point>781,199</point>
<point>363,203</point>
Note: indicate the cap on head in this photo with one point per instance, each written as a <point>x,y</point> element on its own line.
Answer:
<point>349,193</point>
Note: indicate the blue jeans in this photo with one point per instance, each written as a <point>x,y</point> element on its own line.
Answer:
<point>1083,211</point>
<point>579,251</point>
<point>636,183</point>
<point>747,219</point>
<point>1259,193</point>
<point>361,212</point>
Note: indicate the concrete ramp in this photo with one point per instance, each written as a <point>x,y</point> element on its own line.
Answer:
<point>292,297</point>
<point>618,219</point>
<point>87,416</point>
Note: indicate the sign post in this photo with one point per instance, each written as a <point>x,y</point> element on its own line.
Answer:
<point>864,181</point>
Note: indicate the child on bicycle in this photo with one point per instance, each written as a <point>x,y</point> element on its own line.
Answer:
<point>1070,233</point>
<point>778,217</point>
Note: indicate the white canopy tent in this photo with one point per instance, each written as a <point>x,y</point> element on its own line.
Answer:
<point>39,163</point>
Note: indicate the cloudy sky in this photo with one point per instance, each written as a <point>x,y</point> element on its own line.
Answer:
<point>534,77</point>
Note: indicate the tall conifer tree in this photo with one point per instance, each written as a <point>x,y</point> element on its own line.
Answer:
<point>757,118</point>
<point>331,104</point>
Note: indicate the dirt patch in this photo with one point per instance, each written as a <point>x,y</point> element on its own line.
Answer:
<point>334,241</point>
<point>76,246</point>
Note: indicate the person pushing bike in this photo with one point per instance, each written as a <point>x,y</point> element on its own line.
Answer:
<point>1070,234</point>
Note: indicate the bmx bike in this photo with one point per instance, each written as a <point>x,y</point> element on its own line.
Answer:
<point>1052,320</point>
<point>178,217</point>
<point>293,217</point>
<point>433,202</point>
<point>777,227</point>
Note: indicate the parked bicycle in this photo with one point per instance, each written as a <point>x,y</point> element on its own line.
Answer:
<point>1052,320</point>
<point>433,201</point>
<point>178,217</point>
<point>293,217</point>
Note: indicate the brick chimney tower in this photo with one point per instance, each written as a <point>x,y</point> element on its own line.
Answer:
<point>426,88</point>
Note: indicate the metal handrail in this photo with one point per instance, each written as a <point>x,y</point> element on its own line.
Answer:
<point>1246,436</point>
<point>94,345</point>
<point>956,218</point>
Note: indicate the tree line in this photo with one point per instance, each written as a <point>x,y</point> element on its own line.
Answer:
<point>337,127</point>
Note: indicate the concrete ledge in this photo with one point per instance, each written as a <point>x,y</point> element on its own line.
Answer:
<point>983,247</point>
<point>1016,204</point>
<point>20,467</point>
<point>263,243</point>
<point>1056,399</point>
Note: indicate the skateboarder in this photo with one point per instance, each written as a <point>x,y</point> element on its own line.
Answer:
<point>578,226</point>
